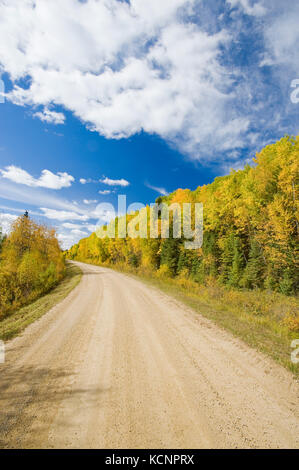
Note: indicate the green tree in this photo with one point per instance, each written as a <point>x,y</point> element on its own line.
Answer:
<point>170,253</point>
<point>227,258</point>
<point>237,265</point>
<point>254,271</point>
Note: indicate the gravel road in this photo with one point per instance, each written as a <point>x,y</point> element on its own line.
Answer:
<point>118,364</point>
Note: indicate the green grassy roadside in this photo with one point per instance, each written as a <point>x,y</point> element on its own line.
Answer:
<point>264,332</point>
<point>16,322</point>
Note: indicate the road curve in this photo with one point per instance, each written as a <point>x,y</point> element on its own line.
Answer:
<point>118,364</point>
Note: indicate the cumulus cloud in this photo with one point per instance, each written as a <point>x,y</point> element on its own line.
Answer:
<point>110,182</point>
<point>105,192</point>
<point>88,180</point>
<point>6,220</point>
<point>122,67</point>
<point>282,38</point>
<point>254,8</point>
<point>51,117</point>
<point>67,239</point>
<point>46,180</point>
<point>71,226</point>
<point>155,66</point>
<point>63,215</point>
<point>78,232</point>
<point>90,227</point>
<point>69,234</point>
<point>90,201</point>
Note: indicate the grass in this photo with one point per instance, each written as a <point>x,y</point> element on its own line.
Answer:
<point>16,322</point>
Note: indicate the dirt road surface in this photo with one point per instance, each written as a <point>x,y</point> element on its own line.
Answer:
<point>118,364</point>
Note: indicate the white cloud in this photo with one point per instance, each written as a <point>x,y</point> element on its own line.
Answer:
<point>123,67</point>
<point>110,182</point>
<point>67,240</point>
<point>69,234</point>
<point>70,226</point>
<point>89,180</point>
<point>46,180</point>
<point>29,196</point>
<point>157,190</point>
<point>254,8</point>
<point>6,220</point>
<point>89,201</point>
<point>63,215</point>
<point>104,213</point>
<point>20,211</point>
<point>282,38</point>
<point>61,212</point>
<point>90,227</point>
<point>51,117</point>
<point>105,192</point>
<point>237,164</point>
<point>79,232</point>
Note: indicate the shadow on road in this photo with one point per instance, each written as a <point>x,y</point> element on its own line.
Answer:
<point>31,394</point>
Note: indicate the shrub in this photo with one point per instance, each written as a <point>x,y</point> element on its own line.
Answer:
<point>164,271</point>
<point>292,323</point>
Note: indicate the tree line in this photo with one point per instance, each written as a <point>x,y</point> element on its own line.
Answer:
<point>250,230</point>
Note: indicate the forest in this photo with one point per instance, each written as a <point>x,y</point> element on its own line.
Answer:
<point>250,238</point>
<point>31,264</point>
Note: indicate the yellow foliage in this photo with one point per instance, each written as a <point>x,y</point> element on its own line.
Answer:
<point>163,272</point>
<point>292,323</point>
<point>250,237</point>
<point>31,263</point>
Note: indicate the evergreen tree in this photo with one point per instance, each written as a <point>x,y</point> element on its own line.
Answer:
<point>237,264</point>
<point>211,254</point>
<point>198,270</point>
<point>254,272</point>
<point>227,258</point>
<point>170,253</point>
<point>287,283</point>
<point>183,261</point>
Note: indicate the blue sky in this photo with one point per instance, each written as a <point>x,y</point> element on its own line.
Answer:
<point>108,97</point>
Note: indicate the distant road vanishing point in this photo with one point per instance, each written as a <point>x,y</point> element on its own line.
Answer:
<point>118,364</point>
